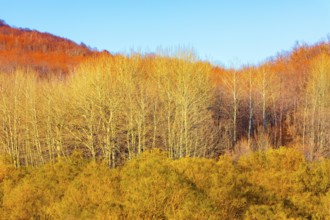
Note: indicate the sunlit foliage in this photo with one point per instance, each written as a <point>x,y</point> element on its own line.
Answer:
<point>275,184</point>
<point>42,52</point>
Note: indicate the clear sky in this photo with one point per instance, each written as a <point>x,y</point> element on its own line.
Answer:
<point>226,32</point>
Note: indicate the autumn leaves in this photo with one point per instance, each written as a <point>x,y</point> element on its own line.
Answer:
<point>275,184</point>
<point>113,108</point>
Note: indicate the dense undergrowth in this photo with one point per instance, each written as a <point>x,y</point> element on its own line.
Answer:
<point>274,184</point>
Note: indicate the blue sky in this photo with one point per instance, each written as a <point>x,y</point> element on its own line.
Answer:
<point>226,32</point>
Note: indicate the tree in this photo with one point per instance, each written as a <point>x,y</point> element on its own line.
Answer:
<point>318,124</point>
<point>186,93</point>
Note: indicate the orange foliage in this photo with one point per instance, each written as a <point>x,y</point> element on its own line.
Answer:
<point>42,52</point>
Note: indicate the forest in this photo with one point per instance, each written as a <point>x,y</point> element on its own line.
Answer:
<point>91,135</point>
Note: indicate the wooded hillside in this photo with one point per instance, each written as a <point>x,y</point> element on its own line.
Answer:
<point>140,136</point>
<point>41,52</point>
<point>115,107</point>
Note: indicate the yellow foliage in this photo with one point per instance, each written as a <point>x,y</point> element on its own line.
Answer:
<point>275,184</point>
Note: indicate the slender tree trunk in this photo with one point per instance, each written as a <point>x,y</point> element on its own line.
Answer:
<point>264,120</point>
<point>235,107</point>
<point>250,108</point>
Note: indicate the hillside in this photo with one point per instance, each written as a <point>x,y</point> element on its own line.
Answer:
<point>42,52</point>
<point>160,136</point>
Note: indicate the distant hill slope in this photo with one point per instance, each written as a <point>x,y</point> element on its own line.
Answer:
<point>43,52</point>
<point>49,54</point>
